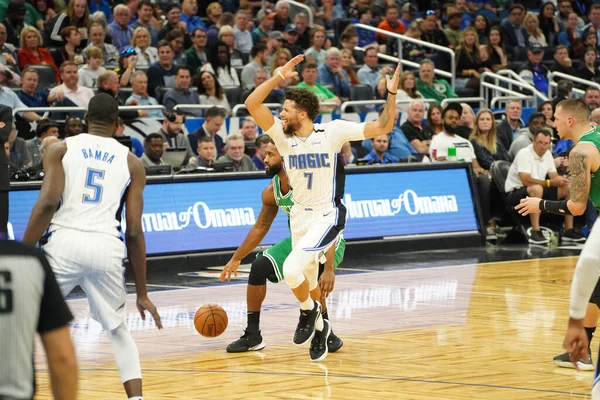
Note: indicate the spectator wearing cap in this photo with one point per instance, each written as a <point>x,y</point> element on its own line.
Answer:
<point>537,120</point>
<point>431,88</point>
<point>332,73</point>
<point>242,35</point>
<point>290,38</point>
<point>14,22</point>
<point>119,30</point>
<point>97,37</point>
<point>453,31</point>
<point>282,9</point>
<point>316,52</point>
<point>562,62</point>
<point>29,94</point>
<point>390,23</point>
<point>139,95</point>
<point>260,57</point>
<point>266,20</point>
<point>45,128</point>
<point>513,33</point>
<point>189,9</point>
<point>145,12</point>
<point>127,63</point>
<point>196,56</point>
<point>533,71</point>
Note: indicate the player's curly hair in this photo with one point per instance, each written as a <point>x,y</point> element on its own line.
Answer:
<point>305,100</point>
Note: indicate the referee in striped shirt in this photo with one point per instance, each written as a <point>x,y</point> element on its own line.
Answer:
<point>30,301</point>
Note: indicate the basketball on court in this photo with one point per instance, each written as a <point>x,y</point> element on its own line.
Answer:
<point>210,320</point>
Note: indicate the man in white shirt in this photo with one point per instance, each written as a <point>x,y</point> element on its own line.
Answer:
<point>528,177</point>
<point>69,93</point>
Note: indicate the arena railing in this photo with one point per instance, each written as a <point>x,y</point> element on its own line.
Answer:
<point>347,104</point>
<point>242,106</point>
<point>306,8</point>
<point>572,78</point>
<point>499,99</point>
<point>408,63</point>
<point>46,110</point>
<point>509,73</point>
<point>482,102</point>
<point>402,38</point>
<point>496,88</point>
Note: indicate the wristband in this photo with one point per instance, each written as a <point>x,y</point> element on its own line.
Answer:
<point>555,207</point>
<point>281,75</point>
<point>392,93</point>
<point>548,182</point>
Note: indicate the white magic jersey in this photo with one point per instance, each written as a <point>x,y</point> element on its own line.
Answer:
<point>96,178</point>
<point>311,163</point>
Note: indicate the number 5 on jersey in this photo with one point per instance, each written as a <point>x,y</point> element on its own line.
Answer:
<point>90,183</point>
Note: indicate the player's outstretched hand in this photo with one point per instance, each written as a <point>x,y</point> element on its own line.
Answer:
<point>327,282</point>
<point>288,70</point>
<point>143,304</point>
<point>576,341</point>
<point>231,267</point>
<point>392,83</point>
<point>528,205</point>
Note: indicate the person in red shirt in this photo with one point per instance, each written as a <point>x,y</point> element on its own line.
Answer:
<point>32,52</point>
<point>391,23</point>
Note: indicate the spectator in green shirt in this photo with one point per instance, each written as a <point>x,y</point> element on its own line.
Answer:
<point>430,88</point>
<point>309,81</point>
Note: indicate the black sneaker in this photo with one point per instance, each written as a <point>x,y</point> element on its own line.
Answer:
<point>334,343</point>
<point>306,325</point>
<point>318,345</point>
<point>564,361</point>
<point>537,237</point>
<point>247,342</point>
<point>573,236</point>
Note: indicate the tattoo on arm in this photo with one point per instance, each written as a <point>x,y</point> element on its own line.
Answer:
<point>579,187</point>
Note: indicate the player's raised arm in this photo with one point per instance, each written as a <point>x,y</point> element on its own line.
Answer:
<point>134,236</point>
<point>50,193</point>
<point>261,113</point>
<point>385,124</point>
<point>257,233</point>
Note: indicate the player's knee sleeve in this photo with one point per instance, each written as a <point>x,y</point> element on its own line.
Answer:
<point>259,271</point>
<point>126,353</point>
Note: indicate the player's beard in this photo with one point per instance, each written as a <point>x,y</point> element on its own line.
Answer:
<point>273,170</point>
<point>291,127</point>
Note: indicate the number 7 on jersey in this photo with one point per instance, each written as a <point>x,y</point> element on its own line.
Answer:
<point>309,176</point>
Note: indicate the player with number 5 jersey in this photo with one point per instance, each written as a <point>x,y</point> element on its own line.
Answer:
<point>310,153</point>
<point>89,179</point>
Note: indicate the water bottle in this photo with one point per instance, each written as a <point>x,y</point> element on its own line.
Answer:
<point>452,154</point>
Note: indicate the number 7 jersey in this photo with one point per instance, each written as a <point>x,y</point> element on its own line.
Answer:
<point>311,163</point>
<point>96,182</point>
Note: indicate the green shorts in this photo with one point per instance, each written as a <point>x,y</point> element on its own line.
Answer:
<point>281,250</point>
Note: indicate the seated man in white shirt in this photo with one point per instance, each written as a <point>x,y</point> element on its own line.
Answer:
<point>69,93</point>
<point>528,176</point>
<point>438,151</point>
<point>139,95</point>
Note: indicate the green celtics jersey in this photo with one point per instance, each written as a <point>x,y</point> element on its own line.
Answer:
<point>285,203</point>
<point>593,136</point>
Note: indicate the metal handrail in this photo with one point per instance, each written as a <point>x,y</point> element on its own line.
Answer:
<point>508,98</point>
<point>349,103</point>
<point>517,77</point>
<point>499,78</point>
<point>422,43</point>
<point>412,64</point>
<point>480,100</point>
<point>304,7</point>
<point>242,106</point>
<point>82,109</point>
<point>569,77</point>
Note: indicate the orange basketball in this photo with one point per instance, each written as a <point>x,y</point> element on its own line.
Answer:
<point>210,320</point>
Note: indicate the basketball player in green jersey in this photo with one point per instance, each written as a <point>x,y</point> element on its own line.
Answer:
<point>269,264</point>
<point>571,122</point>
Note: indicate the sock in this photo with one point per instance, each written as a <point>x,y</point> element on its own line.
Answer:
<point>136,398</point>
<point>590,334</point>
<point>253,321</point>
<point>319,324</point>
<point>325,315</point>
<point>307,304</point>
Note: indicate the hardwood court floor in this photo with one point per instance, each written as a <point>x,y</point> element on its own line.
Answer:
<point>485,331</point>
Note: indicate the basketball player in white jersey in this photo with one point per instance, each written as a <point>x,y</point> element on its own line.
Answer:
<point>310,154</point>
<point>89,178</point>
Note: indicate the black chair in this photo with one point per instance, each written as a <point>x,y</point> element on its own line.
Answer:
<point>361,92</point>
<point>47,76</point>
<point>518,233</point>
<point>124,94</point>
<point>234,95</point>
<point>160,92</point>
